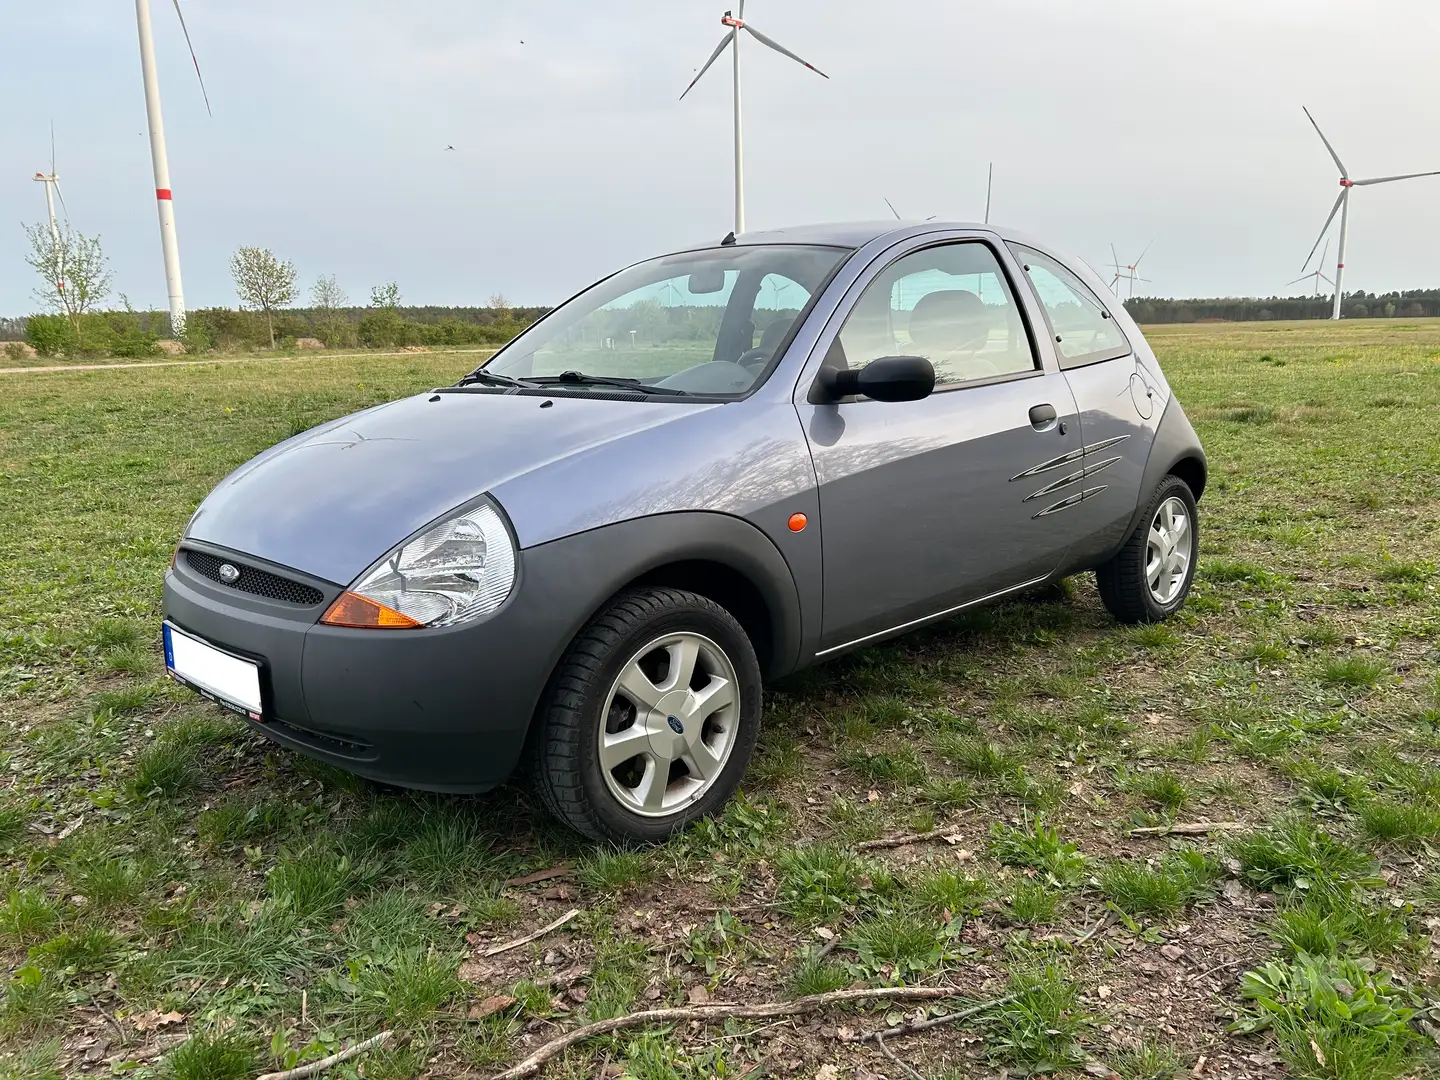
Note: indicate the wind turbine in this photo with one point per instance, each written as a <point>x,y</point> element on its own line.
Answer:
<point>989,186</point>
<point>160,160</point>
<point>736,23</point>
<point>1342,207</point>
<point>1128,272</point>
<point>51,180</point>
<point>1318,274</point>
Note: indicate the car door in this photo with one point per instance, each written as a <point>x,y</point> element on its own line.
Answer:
<point>1117,403</point>
<point>924,504</point>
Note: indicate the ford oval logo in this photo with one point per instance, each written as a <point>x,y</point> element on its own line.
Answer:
<point>675,725</point>
<point>229,574</point>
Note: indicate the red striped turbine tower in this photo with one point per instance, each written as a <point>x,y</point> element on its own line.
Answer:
<point>164,199</point>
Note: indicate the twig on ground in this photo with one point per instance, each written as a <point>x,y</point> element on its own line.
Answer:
<point>948,835</point>
<point>1216,969</point>
<point>334,1059</point>
<point>1105,920</point>
<point>719,1011</point>
<point>880,1042</point>
<point>933,1021</point>
<point>124,1039</point>
<point>563,870</point>
<point>826,949</point>
<point>1193,828</point>
<point>498,949</point>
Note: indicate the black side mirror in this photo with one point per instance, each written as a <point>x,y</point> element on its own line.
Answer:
<point>890,378</point>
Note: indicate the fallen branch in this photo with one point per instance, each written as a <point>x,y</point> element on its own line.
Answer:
<point>948,835</point>
<point>721,1011</point>
<point>563,870</point>
<point>561,921</point>
<point>926,1024</point>
<point>334,1059</point>
<point>880,1042</point>
<point>1194,828</point>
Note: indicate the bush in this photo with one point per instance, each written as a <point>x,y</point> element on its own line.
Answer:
<point>50,335</point>
<point>384,329</point>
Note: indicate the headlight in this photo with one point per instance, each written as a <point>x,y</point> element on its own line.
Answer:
<point>455,571</point>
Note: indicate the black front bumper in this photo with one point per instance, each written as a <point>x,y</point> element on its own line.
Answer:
<point>442,710</point>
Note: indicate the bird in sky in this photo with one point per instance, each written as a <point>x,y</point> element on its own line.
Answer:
<point>449,148</point>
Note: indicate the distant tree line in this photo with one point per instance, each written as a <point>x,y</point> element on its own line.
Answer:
<point>1409,304</point>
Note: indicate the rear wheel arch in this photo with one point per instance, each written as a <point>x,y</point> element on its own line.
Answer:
<point>1193,471</point>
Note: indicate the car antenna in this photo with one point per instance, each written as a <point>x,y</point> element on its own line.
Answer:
<point>729,239</point>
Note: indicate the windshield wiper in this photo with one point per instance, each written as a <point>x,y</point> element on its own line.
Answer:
<point>580,378</point>
<point>493,378</point>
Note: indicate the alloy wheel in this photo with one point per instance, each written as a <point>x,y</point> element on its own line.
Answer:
<point>1168,550</point>
<point>670,721</point>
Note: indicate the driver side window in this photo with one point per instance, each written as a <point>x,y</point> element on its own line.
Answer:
<point>950,304</point>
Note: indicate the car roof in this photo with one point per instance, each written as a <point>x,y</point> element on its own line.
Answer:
<point>851,234</point>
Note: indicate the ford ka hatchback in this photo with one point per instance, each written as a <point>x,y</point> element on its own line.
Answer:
<point>586,557</point>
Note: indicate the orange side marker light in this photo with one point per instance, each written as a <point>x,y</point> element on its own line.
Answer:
<point>798,522</point>
<point>352,609</point>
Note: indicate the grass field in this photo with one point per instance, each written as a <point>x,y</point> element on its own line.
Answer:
<point>182,900</point>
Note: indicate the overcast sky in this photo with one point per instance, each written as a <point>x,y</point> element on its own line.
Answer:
<point>1108,121</point>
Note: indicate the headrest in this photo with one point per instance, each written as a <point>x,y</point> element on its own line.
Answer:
<point>774,334</point>
<point>950,319</point>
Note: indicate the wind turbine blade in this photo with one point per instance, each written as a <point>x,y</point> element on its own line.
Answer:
<point>193,58</point>
<point>1325,279</point>
<point>1115,257</point>
<point>1302,277</point>
<point>772,43</point>
<point>1145,252</point>
<point>892,208</point>
<point>52,147</point>
<point>61,196</point>
<point>1325,228</point>
<point>1338,163</point>
<point>1390,179</point>
<point>713,57</point>
<point>740,14</point>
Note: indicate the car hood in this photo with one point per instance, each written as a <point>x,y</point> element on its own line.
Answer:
<point>331,501</point>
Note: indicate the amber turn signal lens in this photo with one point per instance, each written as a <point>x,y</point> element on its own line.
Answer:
<point>798,522</point>
<point>352,609</point>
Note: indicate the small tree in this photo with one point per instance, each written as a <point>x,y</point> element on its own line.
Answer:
<point>500,305</point>
<point>328,299</point>
<point>263,281</point>
<point>74,271</point>
<point>385,296</point>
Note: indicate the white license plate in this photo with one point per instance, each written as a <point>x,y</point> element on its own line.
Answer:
<point>224,678</point>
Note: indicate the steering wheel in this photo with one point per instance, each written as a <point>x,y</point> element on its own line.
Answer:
<point>754,359</point>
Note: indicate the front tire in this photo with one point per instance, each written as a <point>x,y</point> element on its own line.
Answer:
<point>1149,578</point>
<point>651,718</point>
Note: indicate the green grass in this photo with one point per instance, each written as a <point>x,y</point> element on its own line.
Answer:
<point>1298,693</point>
<point>1297,854</point>
<point>219,1056</point>
<point>1039,847</point>
<point>1160,889</point>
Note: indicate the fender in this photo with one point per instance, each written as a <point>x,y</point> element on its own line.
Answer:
<point>603,561</point>
<point>1175,441</point>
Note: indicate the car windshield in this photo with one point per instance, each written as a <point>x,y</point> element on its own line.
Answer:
<point>703,322</point>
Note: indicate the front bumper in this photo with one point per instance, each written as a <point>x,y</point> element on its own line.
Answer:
<point>443,710</point>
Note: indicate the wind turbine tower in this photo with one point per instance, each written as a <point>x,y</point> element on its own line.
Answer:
<point>731,40</point>
<point>159,158</point>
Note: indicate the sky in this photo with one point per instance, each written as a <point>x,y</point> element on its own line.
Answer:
<point>1109,121</point>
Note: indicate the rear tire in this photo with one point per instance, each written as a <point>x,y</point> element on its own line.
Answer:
<point>628,737</point>
<point>1148,579</point>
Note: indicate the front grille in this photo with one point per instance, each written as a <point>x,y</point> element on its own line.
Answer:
<point>254,581</point>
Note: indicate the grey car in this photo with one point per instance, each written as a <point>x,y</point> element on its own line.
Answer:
<point>585,559</point>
